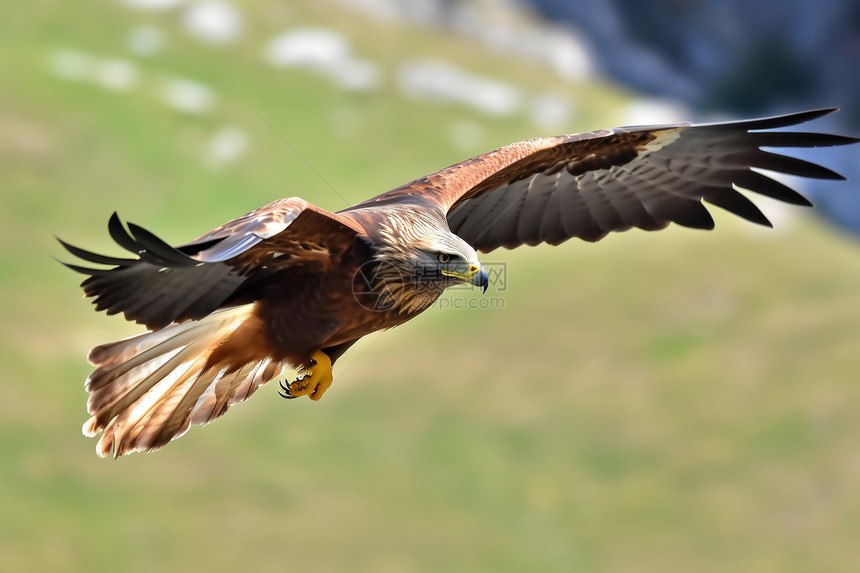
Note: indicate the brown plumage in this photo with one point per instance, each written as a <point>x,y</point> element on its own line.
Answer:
<point>293,285</point>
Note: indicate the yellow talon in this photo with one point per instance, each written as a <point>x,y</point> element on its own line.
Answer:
<point>313,380</point>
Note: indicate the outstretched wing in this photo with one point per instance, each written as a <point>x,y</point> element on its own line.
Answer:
<point>164,284</point>
<point>587,185</point>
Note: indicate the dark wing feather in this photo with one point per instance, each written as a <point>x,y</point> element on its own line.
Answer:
<point>165,284</point>
<point>588,185</point>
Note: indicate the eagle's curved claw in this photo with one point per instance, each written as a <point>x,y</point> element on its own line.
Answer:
<point>285,391</point>
<point>312,380</point>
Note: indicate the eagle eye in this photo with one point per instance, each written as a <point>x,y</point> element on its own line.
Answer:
<point>443,258</point>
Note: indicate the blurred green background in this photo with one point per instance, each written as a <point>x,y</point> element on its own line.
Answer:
<point>678,401</point>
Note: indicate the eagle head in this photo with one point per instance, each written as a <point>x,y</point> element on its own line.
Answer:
<point>419,257</point>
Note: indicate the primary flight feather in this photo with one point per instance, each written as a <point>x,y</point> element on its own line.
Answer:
<point>291,285</point>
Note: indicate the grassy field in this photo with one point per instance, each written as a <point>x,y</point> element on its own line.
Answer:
<point>679,401</point>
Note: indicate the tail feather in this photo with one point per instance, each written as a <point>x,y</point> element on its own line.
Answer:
<point>111,399</point>
<point>181,337</point>
<point>148,389</point>
<point>160,419</point>
<point>225,390</point>
<point>113,353</point>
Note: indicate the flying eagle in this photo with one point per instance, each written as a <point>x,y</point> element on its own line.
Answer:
<point>291,285</point>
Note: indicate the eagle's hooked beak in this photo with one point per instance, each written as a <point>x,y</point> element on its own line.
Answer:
<point>475,275</point>
<point>481,279</point>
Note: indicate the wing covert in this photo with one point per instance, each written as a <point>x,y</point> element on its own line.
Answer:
<point>162,284</point>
